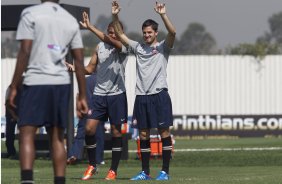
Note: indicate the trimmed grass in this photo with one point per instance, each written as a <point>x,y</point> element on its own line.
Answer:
<point>215,167</point>
<point>189,175</point>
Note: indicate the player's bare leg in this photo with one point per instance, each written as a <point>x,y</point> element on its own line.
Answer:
<point>26,145</point>
<point>27,151</point>
<point>58,152</point>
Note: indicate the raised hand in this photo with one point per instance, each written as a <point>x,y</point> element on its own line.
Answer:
<point>115,8</point>
<point>86,22</point>
<point>160,8</point>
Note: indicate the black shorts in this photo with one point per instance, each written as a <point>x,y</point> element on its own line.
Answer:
<point>44,105</point>
<point>112,107</point>
<point>152,111</point>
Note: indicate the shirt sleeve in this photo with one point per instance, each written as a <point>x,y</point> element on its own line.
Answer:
<point>132,46</point>
<point>167,49</point>
<point>76,42</point>
<point>26,26</point>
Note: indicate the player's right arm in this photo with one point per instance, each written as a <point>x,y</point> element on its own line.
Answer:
<point>90,68</point>
<point>115,10</point>
<point>92,65</point>
<point>102,36</point>
<point>81,103</point>
<point>21,65</point>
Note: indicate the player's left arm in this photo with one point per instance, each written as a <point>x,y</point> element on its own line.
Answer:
<point>160,9</point>
<point>118,29</point>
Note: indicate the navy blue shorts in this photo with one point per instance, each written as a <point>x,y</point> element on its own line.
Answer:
<point>152,111</point>
<point>112,107</point>
<point>44,105</point>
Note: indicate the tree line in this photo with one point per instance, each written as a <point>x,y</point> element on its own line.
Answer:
<point>195,40</point>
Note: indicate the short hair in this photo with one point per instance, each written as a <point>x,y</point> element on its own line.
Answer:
<point>152,23</point>
<point>56,1</point>
<point>111,24</point>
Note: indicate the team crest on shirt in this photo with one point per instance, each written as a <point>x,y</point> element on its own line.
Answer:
<point>155,51</point>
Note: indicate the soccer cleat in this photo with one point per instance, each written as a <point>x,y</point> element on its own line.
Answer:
<point>162,176</point>
<point>111,175</point>
<point>141,176</point>
<point>90,171</point>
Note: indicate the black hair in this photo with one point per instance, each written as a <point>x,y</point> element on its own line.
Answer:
<point>111,24</point>
<point>56,1</point>
<point>152,23</point>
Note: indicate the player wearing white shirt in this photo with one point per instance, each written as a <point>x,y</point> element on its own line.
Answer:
<point>152,107</point>
<point>46,32</point>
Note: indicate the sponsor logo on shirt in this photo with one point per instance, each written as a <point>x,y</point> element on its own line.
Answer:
<point>54,47</point>
<point>155,51</point>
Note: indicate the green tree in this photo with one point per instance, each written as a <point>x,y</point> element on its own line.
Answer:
<point>258,50</point>
<point>268,44</point>
<point>275,34</point>
<point>196,40</point>
<point>275,24</point>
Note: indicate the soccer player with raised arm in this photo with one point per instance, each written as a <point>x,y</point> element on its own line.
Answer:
<point>152,107</point>
<point>109,98</point>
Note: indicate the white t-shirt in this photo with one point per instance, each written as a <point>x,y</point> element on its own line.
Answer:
<point>53,30</point>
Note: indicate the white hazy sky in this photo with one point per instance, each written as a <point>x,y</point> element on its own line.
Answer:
<point>229,21</point>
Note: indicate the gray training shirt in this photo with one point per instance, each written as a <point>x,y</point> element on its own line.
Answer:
<point>110,70</point>
<point>52,31</point>
<point>151,67</point>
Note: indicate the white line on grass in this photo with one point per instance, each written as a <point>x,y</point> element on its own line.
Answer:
<point>228,149</point>
<point>216,149</point>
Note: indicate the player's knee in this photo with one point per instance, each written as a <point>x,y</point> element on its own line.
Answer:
<point>164,133</point>
<point>144,135</point>
<point>116,131</point>
<point>89,130</point>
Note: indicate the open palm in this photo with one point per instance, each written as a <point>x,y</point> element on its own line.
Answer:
<point>115,8</point>
<point>86,21</point>
<point>160,8</point>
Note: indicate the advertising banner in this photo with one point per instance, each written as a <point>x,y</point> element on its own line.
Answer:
<point>227,125</point>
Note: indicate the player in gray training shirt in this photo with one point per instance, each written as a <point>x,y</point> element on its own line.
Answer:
<point>109,99</point>
<point>152,107</point>
<point>46,32</point>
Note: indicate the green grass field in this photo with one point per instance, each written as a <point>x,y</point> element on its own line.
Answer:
<point>197,167</point>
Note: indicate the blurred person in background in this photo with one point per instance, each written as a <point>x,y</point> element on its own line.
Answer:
<point>11,123</point>
<point>76,152</point>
